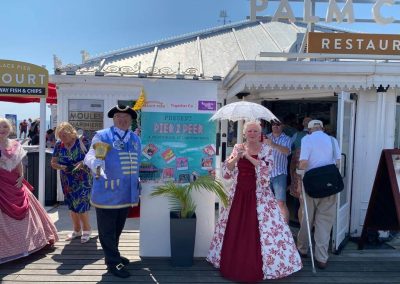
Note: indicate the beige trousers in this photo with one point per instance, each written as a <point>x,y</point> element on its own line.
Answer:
<point>321,214</point>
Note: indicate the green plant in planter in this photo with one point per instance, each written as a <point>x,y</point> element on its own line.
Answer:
<point>180,198</point>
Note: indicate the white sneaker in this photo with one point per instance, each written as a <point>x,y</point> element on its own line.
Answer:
<point>73,235</point>
<point>85,236</point>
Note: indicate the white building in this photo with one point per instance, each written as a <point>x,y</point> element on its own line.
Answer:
<point>227,60</point>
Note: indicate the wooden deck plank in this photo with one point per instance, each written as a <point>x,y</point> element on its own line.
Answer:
<point>73,262</point>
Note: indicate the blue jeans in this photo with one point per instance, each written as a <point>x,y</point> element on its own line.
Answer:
<point>279,185</point>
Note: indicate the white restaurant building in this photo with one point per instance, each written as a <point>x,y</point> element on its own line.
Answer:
<point>357,98</point>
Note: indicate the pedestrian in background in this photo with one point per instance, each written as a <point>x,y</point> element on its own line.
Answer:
<point>296,182</point>
<point>280,144</point>
<point>50,138</point>
<point>23,128</point>
<point>34,132</point>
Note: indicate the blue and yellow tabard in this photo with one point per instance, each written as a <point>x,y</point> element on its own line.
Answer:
<point>120,189</point>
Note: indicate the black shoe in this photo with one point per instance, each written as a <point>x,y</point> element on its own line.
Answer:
<point>320,264</point>
<point>119,271</point>
<point>302,255</point>
<point>124,260</point>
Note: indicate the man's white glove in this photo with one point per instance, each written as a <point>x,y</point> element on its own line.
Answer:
<point>98,168</point>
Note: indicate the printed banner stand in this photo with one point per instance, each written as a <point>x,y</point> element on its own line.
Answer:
<point>383,211</point>
<point>178,144</point>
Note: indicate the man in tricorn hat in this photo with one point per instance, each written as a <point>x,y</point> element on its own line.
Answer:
<point>116,189</point>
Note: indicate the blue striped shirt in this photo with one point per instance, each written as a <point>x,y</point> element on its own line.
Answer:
<point>280,159</point>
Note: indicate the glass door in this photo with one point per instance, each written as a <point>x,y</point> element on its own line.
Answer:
<point>345,137</point>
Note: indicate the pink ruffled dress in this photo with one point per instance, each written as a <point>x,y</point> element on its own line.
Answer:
<point>25,226</point>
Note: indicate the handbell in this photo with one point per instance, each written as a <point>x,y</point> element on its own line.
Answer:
<point>101,150</point>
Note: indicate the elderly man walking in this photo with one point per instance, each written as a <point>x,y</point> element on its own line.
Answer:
<point>318,149</point>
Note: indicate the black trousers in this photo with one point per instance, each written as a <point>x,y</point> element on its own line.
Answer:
<point>110,223</point>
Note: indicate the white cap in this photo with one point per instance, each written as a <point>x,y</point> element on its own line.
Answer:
<point>314,123</point>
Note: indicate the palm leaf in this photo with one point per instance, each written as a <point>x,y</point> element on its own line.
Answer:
<point>212,185</point>
<point>180,198</point>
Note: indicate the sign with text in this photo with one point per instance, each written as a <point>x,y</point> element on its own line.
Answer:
<point>383,211</point>
<point>86,115</point>
<point>178,140</point>
<point>177,146</point>
<point>21,79</point>
<point>334,11</point>
<point>351,43</point>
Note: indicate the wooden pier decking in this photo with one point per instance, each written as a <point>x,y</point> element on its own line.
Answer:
<point>72,262</point>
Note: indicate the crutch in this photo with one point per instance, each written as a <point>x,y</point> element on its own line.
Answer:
<point>303,194</point>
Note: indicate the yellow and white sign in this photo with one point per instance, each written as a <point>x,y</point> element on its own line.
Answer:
<point>21,79</point>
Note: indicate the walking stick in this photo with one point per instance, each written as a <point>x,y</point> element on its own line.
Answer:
<point>303,194</point>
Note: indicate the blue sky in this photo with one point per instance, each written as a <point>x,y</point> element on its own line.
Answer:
<point>34,30</point>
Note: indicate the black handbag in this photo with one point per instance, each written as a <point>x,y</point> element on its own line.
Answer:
<point>323,181</point>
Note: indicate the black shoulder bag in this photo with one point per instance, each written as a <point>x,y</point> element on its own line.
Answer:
<point>323,181</point>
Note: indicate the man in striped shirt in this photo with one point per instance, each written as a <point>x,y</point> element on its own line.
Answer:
<point>280,144</point>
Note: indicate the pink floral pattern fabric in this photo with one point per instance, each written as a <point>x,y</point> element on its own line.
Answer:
<point>279,253</point>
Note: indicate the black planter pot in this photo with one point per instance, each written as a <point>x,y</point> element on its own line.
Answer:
<point>182,235</point>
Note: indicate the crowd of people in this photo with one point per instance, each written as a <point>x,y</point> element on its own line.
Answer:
<point>25,226</point>
<point>252,239</point>
<point>29,132</point>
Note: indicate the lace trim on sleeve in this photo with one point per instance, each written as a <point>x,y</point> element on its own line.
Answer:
<point>226,173</point>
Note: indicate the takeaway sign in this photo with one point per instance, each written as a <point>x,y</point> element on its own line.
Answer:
<point>21,79</point>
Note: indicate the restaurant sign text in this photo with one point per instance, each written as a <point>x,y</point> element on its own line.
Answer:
<point>21,79</point>
<point>353,43</point>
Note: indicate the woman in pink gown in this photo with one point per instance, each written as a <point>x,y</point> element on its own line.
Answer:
<point>25,226</point>
<point>252,241</point>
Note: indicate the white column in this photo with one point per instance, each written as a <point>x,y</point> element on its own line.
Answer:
<point>42,151</point>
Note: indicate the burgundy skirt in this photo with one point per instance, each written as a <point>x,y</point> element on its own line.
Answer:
<point>241,258</point>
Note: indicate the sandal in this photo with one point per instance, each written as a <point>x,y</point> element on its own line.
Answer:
<point>73,235</point>
<point>85,236</point>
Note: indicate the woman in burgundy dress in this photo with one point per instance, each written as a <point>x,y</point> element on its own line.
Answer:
<point>252,241</point>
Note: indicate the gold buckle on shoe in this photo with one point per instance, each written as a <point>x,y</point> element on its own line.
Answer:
<point>120,266</point>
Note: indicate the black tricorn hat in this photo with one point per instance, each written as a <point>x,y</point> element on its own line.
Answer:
<point>122,108</point>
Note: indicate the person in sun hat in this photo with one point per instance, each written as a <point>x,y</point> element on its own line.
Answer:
<point>116,190</point>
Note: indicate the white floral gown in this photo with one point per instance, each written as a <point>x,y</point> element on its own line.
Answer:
<point>278,252</point>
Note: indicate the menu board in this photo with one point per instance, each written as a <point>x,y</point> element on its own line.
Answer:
<point>383,211</point>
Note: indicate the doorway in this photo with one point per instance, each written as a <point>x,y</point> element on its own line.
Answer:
<point>337,112</point>
<point>291,113</point>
